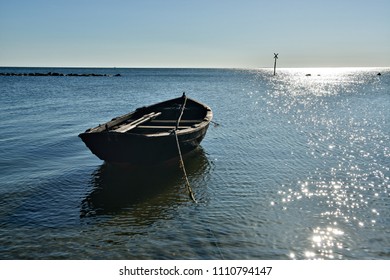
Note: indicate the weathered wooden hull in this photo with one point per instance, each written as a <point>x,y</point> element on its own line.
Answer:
<point>139,149</point>
<point>148,144</point>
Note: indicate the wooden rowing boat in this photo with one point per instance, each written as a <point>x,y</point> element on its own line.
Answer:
<point>148,135</point>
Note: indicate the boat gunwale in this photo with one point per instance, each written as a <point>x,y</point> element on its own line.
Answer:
<point>102,128</point>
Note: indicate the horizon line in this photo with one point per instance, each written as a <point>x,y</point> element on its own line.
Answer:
<point>193,67</point>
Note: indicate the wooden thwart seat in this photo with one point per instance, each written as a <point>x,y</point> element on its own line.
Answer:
<point>174,121</point>
<point>137,122</point>
<point>164,127</point>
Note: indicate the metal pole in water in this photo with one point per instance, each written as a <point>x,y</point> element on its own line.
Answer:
<point>275,57</point>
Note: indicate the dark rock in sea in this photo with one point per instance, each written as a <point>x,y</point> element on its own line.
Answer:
<point>55,74</point>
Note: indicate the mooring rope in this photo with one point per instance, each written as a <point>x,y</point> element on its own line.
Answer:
<point>182,167</point>
<point>181,111</point>
<point>215,123</point>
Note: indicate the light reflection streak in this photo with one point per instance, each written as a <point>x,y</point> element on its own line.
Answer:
<point>351,143</point>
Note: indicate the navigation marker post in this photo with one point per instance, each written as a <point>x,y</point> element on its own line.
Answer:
<point>275,57</point>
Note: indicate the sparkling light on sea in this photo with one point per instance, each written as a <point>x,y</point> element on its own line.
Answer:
<point>298,168</point>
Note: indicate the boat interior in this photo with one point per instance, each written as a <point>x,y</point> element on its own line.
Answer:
<point>156,119</point>
<point>158,122</point>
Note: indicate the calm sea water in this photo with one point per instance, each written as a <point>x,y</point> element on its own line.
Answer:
<point>297,169</point>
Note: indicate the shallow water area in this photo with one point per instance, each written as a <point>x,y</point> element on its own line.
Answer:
<point>297,169</point>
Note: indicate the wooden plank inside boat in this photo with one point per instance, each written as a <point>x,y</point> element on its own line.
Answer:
<point>137,122</point>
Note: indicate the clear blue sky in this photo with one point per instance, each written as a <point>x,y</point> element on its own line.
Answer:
<point>197,33</point>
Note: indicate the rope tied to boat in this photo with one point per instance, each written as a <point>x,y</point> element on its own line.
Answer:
<point>215,123</point>
<point>182,167</point>
<point>181,110</point>
<point>181,163</point>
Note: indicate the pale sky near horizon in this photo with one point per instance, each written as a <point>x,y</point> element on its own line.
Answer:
<point>196,33</point>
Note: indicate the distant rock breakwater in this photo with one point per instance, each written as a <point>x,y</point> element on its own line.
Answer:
<point>55,74</point>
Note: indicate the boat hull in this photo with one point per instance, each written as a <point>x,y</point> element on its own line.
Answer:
<point>136,149</point>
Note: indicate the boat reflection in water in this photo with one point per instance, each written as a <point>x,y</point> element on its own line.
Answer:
<point>118,189</point>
